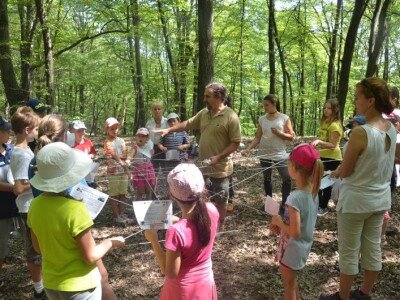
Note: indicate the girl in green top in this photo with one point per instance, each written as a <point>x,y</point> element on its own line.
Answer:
<point>330,133</point>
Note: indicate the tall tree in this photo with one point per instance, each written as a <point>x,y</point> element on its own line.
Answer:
<point>206,51</point>
<point>271,46</point>
<point>377,36</point>
<point>48,51</point>
<point>359,8</point>
<point>331,82</point>
<point>14,93</point>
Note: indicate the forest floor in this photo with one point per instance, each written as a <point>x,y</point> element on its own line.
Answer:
<point>243,255</point>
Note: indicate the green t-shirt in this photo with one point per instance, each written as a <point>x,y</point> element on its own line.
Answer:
<point>56,221</point>
<point>324,133</point>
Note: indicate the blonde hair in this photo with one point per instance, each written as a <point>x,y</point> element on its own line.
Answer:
<point>157,103</point>
<point>313,175</point>
<point>52,129</point>
<point>24,117</point>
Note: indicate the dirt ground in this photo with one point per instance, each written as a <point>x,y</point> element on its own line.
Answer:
<point>243,256</point>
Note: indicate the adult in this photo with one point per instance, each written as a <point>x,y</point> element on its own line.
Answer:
<point>220,136</point>
<point>274,130</point>
<point>365,193</point>
<point>330,133</point>
<point>186,262</point>
<point>158,121</point>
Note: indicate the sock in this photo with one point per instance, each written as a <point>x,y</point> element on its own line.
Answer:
<point>38,286</point>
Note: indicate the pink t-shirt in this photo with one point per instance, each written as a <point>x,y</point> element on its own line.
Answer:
<point>195,279</point>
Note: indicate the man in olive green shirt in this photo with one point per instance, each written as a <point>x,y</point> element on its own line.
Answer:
<point>220,136</point>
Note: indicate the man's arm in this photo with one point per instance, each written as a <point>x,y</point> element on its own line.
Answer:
<point>232,147</point>
<point>182,126</point>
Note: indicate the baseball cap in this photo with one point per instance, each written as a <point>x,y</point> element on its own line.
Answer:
<point>37,105</point>
<point>172,116</point>
<point>142,131</point>
<point>4,125</point>
<point>186,182</point>
<point>304,155</point>
<point>78,124</point>
<point>357,118</point>
<point>110,122</point>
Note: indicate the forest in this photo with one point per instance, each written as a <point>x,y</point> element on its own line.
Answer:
<point>95,59</point>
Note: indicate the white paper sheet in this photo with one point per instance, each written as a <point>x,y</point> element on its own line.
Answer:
<point>326,182</point>
<point>172,154</point>
<point>92,174</point>
<point>154,214</point>
<point>94,199</point>
<point>271,206</point>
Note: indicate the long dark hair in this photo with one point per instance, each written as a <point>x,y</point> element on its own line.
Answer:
<point>201,220</point>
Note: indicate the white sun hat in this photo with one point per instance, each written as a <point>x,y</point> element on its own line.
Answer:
<point>60,167</point>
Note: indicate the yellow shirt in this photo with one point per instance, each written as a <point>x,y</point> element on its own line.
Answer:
<point>324,133</point>
<point>217,132</point>
<point>56,221</point>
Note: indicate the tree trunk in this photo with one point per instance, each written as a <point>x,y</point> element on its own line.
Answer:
<point>206,51</point>
<point>28,23</point>
<point>386,60</point>
<point>241,60</point>
<point>48,51</point>
<point>331,83</point>
<point>139,115</point>
<point>271,46</point>
<point>359,8</point>
<point>377,36</point>
<point>14,94</point>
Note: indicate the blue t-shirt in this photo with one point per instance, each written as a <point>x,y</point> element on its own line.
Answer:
<point>297,250</point>
<point>8,208</point>
<point>173,140</point>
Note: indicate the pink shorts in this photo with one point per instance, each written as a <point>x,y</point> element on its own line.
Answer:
<point>143,175</point>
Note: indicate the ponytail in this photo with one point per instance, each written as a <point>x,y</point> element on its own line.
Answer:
<point>202,221</point>
<point>317,173</point>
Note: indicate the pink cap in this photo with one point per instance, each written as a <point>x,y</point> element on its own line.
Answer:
<point>185,182</point>
<point>110,122</point>
<point>142,131</point>
<point>304,155</point>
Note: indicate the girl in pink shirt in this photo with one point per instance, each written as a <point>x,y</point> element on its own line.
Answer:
<point>186,263</point>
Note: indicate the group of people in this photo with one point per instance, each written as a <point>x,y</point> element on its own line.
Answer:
<point>365,169</point>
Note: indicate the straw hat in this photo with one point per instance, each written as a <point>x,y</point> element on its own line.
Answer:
<point>60,167</point>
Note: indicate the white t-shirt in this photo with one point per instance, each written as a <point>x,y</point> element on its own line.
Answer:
<point>20,161</point>
<point>151,125</point>
<point>271,146</point>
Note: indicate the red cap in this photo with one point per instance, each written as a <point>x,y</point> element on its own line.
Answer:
<point>304,155</point>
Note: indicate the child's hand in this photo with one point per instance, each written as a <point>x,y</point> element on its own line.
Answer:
<point>117,242</point>
<point>274,229</point>
<point>151,235</point>
<point>162,148</point>
<point>276,220</point>
<point>181,147</point>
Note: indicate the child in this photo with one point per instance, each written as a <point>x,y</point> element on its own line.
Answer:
<point>177,141</point>
<point>25,126</point>
<point>187,261</point>
<point>143,175</point>
<point>8,208</point>
<point>297,225</point>
<point>117,170</point>
<point>81,141</point>
<point>70,254</point>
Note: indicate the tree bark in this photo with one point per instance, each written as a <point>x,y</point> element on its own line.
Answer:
<point>206,51</point>
<point>14,93</point>
<point>377,36</point>
<point>271,46</point>
<point>331,82</point>
<point>359,8</point>
<point>48,51</point>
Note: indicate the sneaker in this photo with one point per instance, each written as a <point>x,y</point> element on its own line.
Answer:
<point>334,296</point>
<point>41,296</point>
<point>322,211</point>
<point>359,295</point>
<point>120,221</point>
